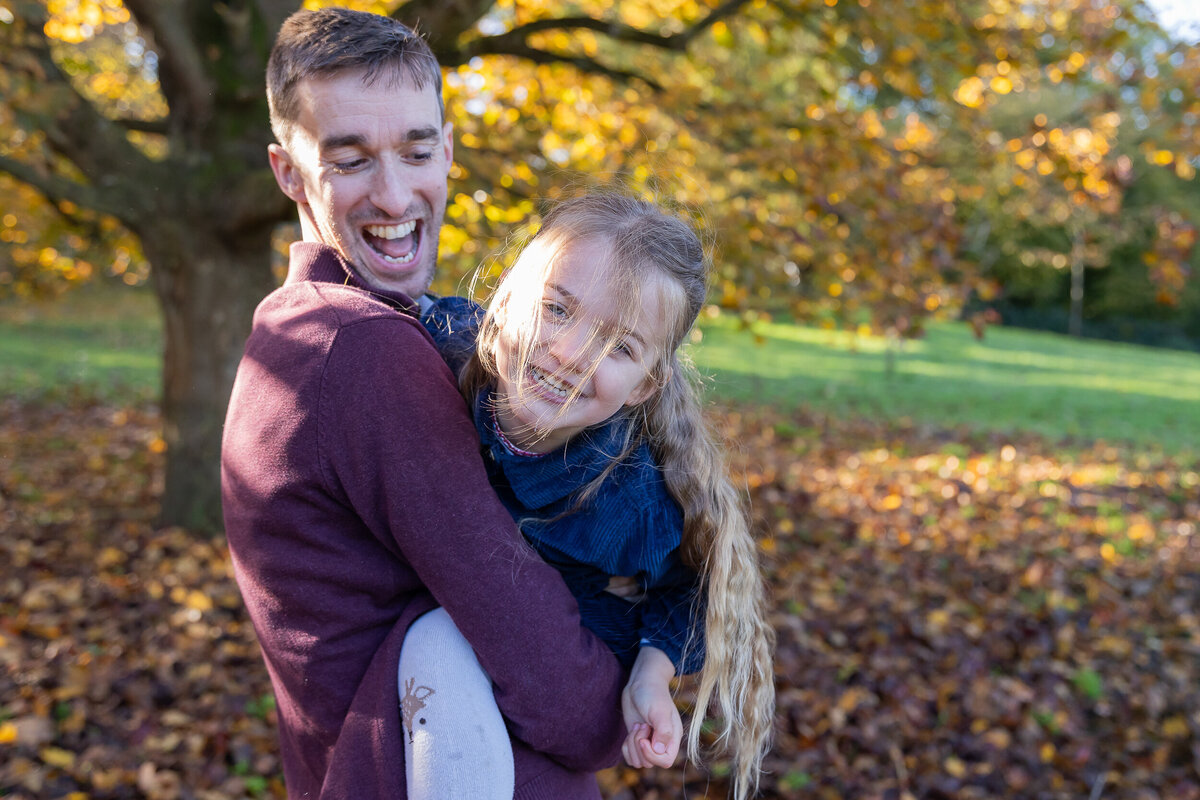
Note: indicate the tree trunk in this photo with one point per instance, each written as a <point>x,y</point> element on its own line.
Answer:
<point>1075,316</point>
<point>207,289</point>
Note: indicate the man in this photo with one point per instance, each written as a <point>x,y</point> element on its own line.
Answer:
<point>355,498</point>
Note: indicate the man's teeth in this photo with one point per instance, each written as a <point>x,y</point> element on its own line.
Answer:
<point>392,231</point>
<point>559,388</point>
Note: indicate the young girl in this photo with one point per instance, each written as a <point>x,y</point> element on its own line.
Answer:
<point>595,442</point>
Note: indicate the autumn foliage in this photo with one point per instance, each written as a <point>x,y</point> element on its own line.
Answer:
<point>858,163</point>
<point>959,616</point>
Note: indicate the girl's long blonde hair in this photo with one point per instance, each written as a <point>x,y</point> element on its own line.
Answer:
<point>646,245</point>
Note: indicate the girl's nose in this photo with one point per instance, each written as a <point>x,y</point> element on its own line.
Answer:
<point>572,346</point>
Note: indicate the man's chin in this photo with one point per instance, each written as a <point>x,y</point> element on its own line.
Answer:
<point>412,281</point>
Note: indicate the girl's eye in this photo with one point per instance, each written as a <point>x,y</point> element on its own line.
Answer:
<point>623,349</point>
<point>554,310</point>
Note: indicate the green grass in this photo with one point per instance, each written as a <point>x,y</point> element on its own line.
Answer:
<point>98,342</point>
<point>1013,380</point>
<point>107,343</point>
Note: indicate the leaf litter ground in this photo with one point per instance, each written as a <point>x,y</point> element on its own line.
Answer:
<point>959,616</point>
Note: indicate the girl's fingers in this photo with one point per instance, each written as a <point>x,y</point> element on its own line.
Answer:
<point>631,749</point>
<point>649,756</point>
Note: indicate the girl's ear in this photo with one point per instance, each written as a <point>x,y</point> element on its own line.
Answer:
<point>646,389</point>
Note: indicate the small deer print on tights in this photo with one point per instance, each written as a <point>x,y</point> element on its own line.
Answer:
<point>412,702</point>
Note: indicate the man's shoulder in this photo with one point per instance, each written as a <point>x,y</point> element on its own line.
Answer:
<point>348,302</point>
<point>331,305</point>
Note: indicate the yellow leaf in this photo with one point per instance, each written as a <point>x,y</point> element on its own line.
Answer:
<point>970,92</point>
<point>57,757</point>
<point>199,601</point>
<point>8,733</point>
<point>1140,530</point>
<point>955,767</point>
<point>110,557</point>
<point>1175,728</point>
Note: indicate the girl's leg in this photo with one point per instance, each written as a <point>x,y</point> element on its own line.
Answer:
<point>455,744</point>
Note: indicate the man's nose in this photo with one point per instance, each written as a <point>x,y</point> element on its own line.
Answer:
<point>391,191</point>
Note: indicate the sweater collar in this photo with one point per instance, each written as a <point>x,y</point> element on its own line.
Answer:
<point>540,480</point>
<point>320,263</point>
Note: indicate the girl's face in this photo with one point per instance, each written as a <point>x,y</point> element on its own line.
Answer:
<point>589,356</point>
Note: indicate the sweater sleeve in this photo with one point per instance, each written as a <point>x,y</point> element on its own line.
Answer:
<point>672,619</point>
<point>396,440</point>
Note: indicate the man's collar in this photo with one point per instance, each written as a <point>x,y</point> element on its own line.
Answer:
<point>320,263</point>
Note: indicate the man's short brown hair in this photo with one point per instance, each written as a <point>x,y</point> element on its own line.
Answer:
<point>316,44</point>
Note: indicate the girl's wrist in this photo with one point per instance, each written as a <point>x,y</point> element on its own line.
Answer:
<point>652,664</point>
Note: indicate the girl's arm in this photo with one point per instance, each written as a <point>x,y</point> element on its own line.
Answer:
<point>672,618</point>
<point>671,634</point>
<point>655,729</point>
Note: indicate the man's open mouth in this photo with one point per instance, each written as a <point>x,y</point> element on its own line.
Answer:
<point>396,243</point>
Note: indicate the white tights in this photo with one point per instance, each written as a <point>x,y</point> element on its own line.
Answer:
<point>455,744</point>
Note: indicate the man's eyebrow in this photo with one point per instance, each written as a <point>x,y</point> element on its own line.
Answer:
<point>423,134</point>
<point>428,133</point>
<point>342,140</point>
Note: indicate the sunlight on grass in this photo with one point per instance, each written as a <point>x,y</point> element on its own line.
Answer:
<point>107,343</point>
<point>1011,380</point>
<point>102,342</point>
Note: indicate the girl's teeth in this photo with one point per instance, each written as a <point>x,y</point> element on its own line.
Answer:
<point>556,386</point>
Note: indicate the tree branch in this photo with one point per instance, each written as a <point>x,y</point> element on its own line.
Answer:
<point>442,22</point>
<point>515,42</point>
<point>273,13</point>
<point>185,82</point>
<point>254,200</point>
<point>620,32</point>
<point>582,63</point>
<point>158,126</point>
<point>75,129</point>
<point>54,188</point>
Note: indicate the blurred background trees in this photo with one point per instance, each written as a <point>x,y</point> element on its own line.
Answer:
<point>857,163</point>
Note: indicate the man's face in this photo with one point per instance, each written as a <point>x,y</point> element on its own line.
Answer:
<point>367,166</point>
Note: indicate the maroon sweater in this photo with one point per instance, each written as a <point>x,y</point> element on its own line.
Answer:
<point>355,500</point>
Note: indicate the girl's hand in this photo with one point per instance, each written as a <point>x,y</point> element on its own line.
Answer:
<point>625,588</point>
<point>655,728</point>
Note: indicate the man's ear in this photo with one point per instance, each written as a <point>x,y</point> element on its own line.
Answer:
<point>287,174</point>
<point>448,145</point>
